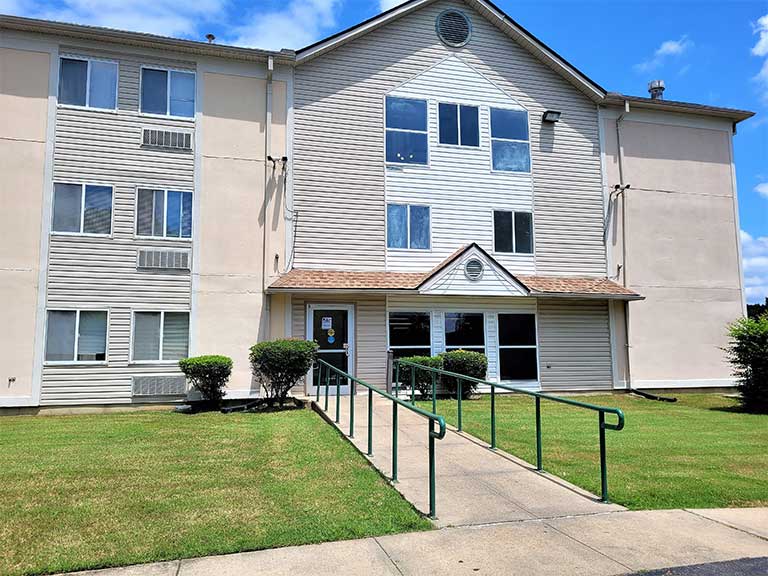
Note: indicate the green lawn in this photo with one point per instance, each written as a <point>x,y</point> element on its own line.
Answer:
<point>698,452</point>
<point>91,491</point>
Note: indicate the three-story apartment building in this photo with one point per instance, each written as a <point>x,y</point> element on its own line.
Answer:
<point>434,178</point>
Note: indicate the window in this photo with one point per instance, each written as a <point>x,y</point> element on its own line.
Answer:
<point>168,92</point>
<point>91,83</point>
<point>513,232</point>
<point>408,226</point>
<point>160,336</point>
<point>406,123</point>
<point>459,125</point>
<point>164,214</point>
<point>76,336</point>
<point>465,331</point>
<point>517,347</point>
<point>82,209</point>
<point>409,334</point>
<point>509,140</point>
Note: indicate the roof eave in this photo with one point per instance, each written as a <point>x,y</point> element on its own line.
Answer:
<point>285,290</point>
<point>588,296</point>
<point>733,114</point>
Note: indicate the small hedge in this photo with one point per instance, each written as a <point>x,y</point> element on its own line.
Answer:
<point>748,354</point>
<point>209,375</point>
<point>423,377</point>
<point>465,362</point>
<point>278,365</point>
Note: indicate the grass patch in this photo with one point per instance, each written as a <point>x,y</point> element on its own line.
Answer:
<point>698,453</point>
<point>79,492</point>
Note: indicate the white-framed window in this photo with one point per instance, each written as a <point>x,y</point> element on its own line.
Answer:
<point>76,336</point>
<point>82,209</point>
<point>406,130</point>
<point>167,92</point>
<point>408,226</point>
<point>458,124</point>
<point>518,356</point>
<point>510,146</point>
<point>159,336</point>
<point>410,334</point>
<point>465,331</point>
<point>88,82</point>
<point>512,231</point>
<point>163,213</point>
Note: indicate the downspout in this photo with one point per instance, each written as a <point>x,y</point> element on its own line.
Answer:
<point>265,203</point>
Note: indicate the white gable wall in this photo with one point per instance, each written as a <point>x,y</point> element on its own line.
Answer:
<point>458,184</point>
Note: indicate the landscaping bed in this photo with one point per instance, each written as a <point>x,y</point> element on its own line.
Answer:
<point>697,453</point>
<point>90,491</point>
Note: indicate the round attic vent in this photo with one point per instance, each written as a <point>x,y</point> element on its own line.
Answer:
<point>473,269</point>
<point>453,28</point>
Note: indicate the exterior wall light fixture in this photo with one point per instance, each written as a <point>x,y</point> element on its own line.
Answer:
<point>551,116</point>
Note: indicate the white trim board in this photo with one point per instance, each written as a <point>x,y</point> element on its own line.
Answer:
<point>690,383</point>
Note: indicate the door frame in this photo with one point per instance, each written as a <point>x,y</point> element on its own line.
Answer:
<point>309,331</point>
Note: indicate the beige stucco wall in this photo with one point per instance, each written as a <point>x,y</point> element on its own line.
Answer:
<point>682,250</point>
<point>228,292</point>
<point>23,123</point>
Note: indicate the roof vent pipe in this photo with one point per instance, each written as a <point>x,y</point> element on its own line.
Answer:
<point>656,88</point>
<point>210,38</point>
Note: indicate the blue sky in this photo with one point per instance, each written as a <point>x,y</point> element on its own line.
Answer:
<point>712,52</point>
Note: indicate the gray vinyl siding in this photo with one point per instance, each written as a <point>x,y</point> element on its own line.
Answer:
<point>103,147</point>
<point>339,144</point>
<point>370,331</point>
<point>574,345</point>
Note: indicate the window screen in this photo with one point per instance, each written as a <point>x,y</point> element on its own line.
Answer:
<point>154,91</point>
<point>175,335</point>
<point>102,90</point>
<point>73,81</point>
<point>97,212</point>
<point>67,207</point>
<point>146,335</point>
<point>60,336</point>
<point>92,336</point>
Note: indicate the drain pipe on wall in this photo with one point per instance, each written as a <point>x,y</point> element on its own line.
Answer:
<point>267,176</point>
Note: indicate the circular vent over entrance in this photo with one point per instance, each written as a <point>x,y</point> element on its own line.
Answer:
<point>453,28</point>
<point>473,269</point>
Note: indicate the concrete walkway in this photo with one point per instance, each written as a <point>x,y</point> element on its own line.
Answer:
<point>475,485</point>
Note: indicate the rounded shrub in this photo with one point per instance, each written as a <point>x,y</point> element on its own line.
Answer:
<point>278,365</point>
<point>209,375</point>
<point>423,383</point>
<point>748,354</point>
<point>473,364</point>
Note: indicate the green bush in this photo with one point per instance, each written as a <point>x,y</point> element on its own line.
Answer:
<point>464,362</point>
<point>209,375</point>
<point>279,365</point>
<point>748,353</point>
<point>423,383</point>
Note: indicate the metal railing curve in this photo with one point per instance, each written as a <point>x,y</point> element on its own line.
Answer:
<point>538,396</point>
<point>330,371</point>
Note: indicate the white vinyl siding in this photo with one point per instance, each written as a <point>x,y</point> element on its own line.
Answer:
<point>339,100</point>
<point>86,271</point>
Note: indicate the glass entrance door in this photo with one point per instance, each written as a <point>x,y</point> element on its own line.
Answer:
<point>331,326</point>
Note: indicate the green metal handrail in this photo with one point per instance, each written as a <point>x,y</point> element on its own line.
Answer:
<point>601,411</point>
<point>338,375</point>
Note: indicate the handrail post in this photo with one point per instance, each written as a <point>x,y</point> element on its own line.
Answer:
<point>493,417</point>
<point>434,393</point>
<point>394,441</point>
<point>603,465</point>
<point>538,434</point>
<point>370,422</point>
<point>397,379</point>
<point>327,384</point>
<point>319,382</point>
<point>458,380</point>
<point>338,398</point>
<point>413,384</point>
<point>431,472</point>
<point>352,391</point>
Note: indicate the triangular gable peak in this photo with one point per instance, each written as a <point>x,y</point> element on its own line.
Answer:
<point>472,272</point>
<point>464,79</point>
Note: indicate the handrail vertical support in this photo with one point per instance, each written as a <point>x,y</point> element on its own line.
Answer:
<point>319,382</point>
<point>394,441</point>
<point>538,434</point>
<point>338,398</point>
<point>327,384</point>
<point>370,422</point>
<point>397,380</point>
<point>603,464</point>
<point>413,384</point>
<point>434,393</point>
<point>352,394</point>
<point>431,473</point>
<point>458,380</point>
<point>493,417</point>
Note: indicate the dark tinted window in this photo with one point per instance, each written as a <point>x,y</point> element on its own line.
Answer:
<point>406,147</point>
<point>97,215</point>
<point>464,329</point>
<point>523,232</point>
<point>419,227</point>
<point>73,80</point>
<point>449,123</point>
<point>409,329</point>
<point>502,231</point>
<point>518,364</point>
<point>517,330</point>
<point>509,124</point>
<point>470,128</point>
<point>406,114</point>
<point>154,91</point>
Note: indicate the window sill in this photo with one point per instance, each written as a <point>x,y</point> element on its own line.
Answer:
<point>162,238</point>
<point>190,119</point>
<point>80,235</point>
<point>400,165</point>
<point>494,171</point>
<point>497,253</point>
<point>410,250</point>
<point>75,363</point>
<point>139,363</point>
<point>90,108</point>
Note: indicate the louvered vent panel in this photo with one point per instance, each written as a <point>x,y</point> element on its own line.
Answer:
<point>453,28</point>
<point>159,385</point>
<point>163,259</point>
<point>166,139</point>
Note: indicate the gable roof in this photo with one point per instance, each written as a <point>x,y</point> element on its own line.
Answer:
<point>485,8</point>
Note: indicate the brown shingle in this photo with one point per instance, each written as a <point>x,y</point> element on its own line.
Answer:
<point>574,285</point>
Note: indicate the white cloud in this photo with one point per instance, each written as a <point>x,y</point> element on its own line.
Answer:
<point>755,254</point>
<point>668,48</point>
<point>761,49</point>
<point>762,189</point>
<point>385,5</point>
<point>299,24</point>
